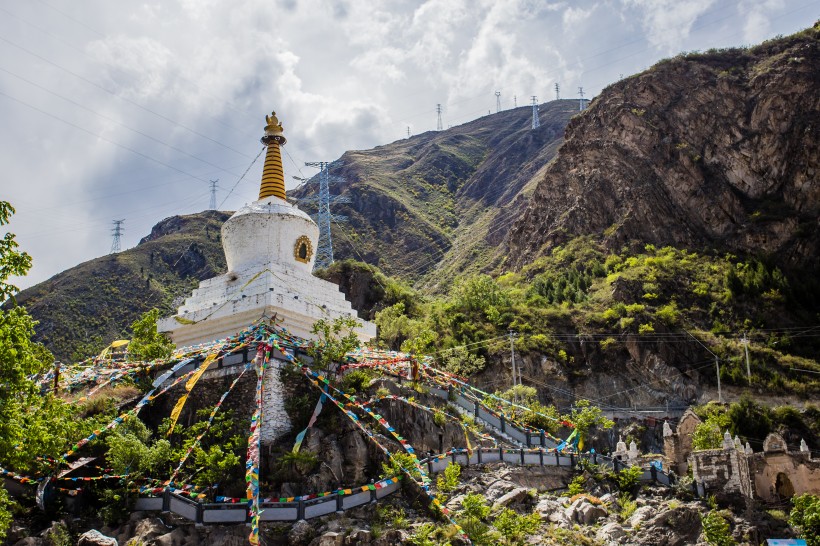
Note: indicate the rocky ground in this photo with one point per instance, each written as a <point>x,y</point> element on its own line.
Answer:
<point>600,516</point>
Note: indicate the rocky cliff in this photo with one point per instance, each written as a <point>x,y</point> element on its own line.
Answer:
<point>706,151</point>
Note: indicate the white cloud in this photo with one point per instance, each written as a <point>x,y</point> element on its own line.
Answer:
<point>668,22</point>
<point>200,75</point>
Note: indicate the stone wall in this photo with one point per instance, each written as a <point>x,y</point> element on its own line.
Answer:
<point>780,475</point>
<point>723,472</point>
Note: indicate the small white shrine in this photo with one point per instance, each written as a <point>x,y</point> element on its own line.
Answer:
<point>270,250</point>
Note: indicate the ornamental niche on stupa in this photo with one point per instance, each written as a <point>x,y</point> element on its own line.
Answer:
<point>270,250</point>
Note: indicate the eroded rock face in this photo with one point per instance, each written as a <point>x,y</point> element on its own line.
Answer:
<point>707,151</point>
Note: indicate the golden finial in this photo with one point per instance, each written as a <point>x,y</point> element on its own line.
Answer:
<point>274,126</point>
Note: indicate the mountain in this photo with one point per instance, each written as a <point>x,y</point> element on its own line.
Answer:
<point>707,151</point>
<point>83,309</point>
<point>433,206</point>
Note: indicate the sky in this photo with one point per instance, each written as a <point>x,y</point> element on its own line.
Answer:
<point>115,110</point>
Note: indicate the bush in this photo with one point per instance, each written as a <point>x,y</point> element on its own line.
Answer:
<point>449,479</point>
<point>716,529</point>
<point>628,478</point>
<point>627,506</point>
<point>805,516</point>
<point>514,527</point>
<point>576,486</point>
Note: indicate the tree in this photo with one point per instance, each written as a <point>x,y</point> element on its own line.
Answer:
<point>805,516</point>
<point>336,338</point>
<point>19,356</point>
<point>146,342</point>
<point>460,361</point>
<point>585,416</point>
<point>12,261</point>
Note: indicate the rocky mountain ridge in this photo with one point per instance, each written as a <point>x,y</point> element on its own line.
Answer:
<point>709,151</point>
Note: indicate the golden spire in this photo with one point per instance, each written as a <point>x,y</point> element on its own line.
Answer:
<point>273,177</point>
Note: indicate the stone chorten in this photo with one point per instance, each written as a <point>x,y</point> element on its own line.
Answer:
<point>269,248</point>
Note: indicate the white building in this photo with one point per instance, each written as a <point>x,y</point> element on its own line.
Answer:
<point>270,250</point>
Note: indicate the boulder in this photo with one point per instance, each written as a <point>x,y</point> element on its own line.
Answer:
<point>301,533</point>
<point>391,538</point>
<point>96,538</point>
<point>174,538</point>
<point>329,539</point>
<point>498,489</point>
<point>30,541</point>
<point>516,495</point>
<point>583,511</point>
<point>358,536</point>
<point>553,511</point>
<point>610,532</point>
<point>641,514</point>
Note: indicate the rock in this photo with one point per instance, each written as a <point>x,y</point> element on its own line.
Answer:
<point>583,511</point>
<point>498,489</point>
<point>146,530</point>
<point>301,533</point>
<point>553,511</point>
<point>608,498</point>
<point>391,538</point>
<point>455,502</point>
<point>610,531</point>
<point>174,538</point>
<point>96,538</point>
<point>641,514</point>
<point>358,536</point>
<point>57,533</point>
<point>30,541</point>
<point>329,539</point>
<point>516,495</point>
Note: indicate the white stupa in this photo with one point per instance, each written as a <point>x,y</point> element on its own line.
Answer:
<point>269,247</point>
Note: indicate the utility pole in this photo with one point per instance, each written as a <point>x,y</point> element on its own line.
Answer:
<point>117,231</point>
<point>717,367</point>
<point>512,336</point>
<point>497,101</point>
<point>536,123</point>
<point>439,125</point>
<point>213,194</point>
<point>557,91</point>
<point>745,342</point>
<point>581,99</point>
<point>515,101</point>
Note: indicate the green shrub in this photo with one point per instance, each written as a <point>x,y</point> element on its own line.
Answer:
<point>514,527</point>
<point>628,478</point>
<point>449,479</point>
<point>716,529</point>
<point>626,506</point>
<point>576,486</point>
<point>805,516</point>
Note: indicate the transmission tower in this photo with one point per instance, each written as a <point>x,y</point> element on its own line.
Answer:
<point>535,122</point>
<point>515,101</point>
<point>581,99</point>
<point>213,194</point>
<point>557,91</point>
<point>497,101</point>
<point>439,125</point>
<point>408,131</point>
<point>323,217</point>
<point>117,231</point>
